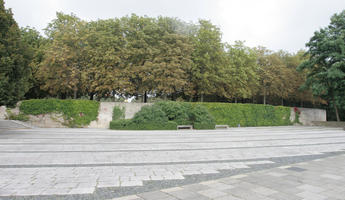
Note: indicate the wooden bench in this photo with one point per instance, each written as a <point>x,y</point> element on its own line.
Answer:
<point>221,127</point>
<point>179,127</point>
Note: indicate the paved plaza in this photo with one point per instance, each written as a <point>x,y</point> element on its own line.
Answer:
<point>292,162</point>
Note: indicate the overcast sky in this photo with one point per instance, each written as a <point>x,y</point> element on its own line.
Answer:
<point>275,24</point>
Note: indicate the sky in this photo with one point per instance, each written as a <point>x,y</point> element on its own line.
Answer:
<point>275,24</point>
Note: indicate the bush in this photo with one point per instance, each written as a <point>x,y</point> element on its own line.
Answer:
<point>248,114</point>
<point>176,111</point>
<point>121,124</point>
<point>76,112</point>
<point>187,113</point>
<point>127,124</point>
<point>150,114</point>
<point>166,115</point>
<point>118,113</point>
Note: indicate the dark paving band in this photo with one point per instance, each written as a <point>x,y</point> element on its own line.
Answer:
<point>112,192</point>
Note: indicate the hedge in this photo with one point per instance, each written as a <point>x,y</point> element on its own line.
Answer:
<point>166,115</point>
<point>248,114</point>
<point>127,124</point>
<point>77,113</point>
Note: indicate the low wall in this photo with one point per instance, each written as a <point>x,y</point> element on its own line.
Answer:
<point>329,124</point>
<point>105,113</point>
<point>308,115</point>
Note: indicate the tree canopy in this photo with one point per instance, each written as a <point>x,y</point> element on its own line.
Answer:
<point>14,60</point>
<point>165,58</point>
<point>326,63</point>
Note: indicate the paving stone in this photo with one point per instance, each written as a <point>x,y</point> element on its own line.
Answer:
<point>102,164</point>
<point>212,193</point>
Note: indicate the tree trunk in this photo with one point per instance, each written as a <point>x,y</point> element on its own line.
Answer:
<point>235,99</point>
<point>264,95</point>
<point>282,101</point>
<point>91,95</point>
<point>145,97</point>
<point>75,94</point>
<point>202,97</point>
<point>336,111</point>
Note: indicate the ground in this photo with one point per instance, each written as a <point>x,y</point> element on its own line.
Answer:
<point>292,162</point>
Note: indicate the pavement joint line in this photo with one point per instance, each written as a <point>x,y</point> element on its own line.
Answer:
<point>203,142</point>
<point>160,150</point>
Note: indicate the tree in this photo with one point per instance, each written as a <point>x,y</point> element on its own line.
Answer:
<point>36,45</point>
<point>208,59</point>
<point>61,69</point>
<point>240,72</point>
<point>14,60</point>
<point>326,64</point>
<point>104,50</point>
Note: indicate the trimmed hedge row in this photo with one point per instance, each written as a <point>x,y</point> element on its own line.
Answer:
<point>127,124</point>
<point>76,112</point>
<point>249,114</point>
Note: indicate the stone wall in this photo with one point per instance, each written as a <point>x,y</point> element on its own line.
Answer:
<point>105,113</point>
<point>308,115</point>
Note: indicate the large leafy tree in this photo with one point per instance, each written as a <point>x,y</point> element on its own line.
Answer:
<point>326,64</point>
<point>208,59</point>
<point>14,60</point>
<point>239,76</point>
<point>61,69</point>
<point>36,45</point>
<point>104,50</point>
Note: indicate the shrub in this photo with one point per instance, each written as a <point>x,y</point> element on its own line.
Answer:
<point>127,124</point>
<point>121,124</point>
<point>248,114</point>
<point>76,112</point>
<point>149,114</point>
<point>118,113</point>
<point>176,111</point>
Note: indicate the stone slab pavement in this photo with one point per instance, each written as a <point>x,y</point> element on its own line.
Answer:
<point>292,162</point>
<point>319,179</point>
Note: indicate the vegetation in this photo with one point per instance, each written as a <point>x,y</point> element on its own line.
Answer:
<point>118,113</point>
<point>326,63</point>
<point>20,116</point>
<point>14,60</point>
<point>248,114</point>
<point>77,113</point>
<point>166,58</point>
<point>166,115</point>
<point>126,124</point>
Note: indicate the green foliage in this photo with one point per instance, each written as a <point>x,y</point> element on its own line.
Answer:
<point>167,114</point>
<point>176,111</point>
<point>118,113</point>
<point>20,116</point>
<point>326,64</point>
<point>149,114</point>
<point>249,114</point>
<point>126,124</point>
<point>14,60</point>
<point>187,113</point>
<point>76,112</point>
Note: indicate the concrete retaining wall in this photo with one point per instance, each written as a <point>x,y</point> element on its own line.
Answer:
<point>308,115</point>
<point>105,113</point>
